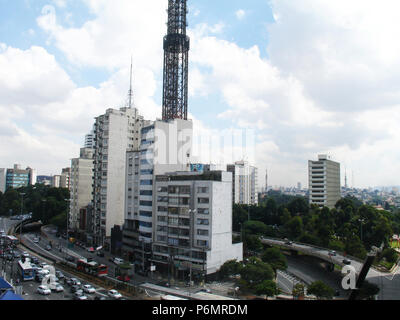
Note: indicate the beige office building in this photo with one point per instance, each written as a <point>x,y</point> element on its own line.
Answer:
<point>324,181</point>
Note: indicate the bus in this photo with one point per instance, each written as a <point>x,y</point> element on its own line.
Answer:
<point>25,270</point>
<point>92,267</point>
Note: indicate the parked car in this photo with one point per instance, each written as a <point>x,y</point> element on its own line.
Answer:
<point>59,275</point>
<point>88,288</point>
<point>114,294</point>
<point>43,290</point>
<point>75,282</point>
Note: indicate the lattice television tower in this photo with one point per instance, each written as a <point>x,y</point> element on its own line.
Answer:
<point>176,62</point>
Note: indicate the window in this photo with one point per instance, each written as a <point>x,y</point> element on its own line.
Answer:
<point>202,232</point>
<point>161,219</point>
<point>173,221</point>
<point>203,200</point>
<point>203,222</point>
<point>146,171</point>
<point>145,224</point>
<point>146,192</point>
<point>202,243</point>
<point>162,209</point>
<point>202,190</point>
<point>146,214</point>
<point>162,199</point>
<point>162,228</point>
<point>146,203</point>
<point>162,189</point>
<point>146,182</point>
<point>202,211</point>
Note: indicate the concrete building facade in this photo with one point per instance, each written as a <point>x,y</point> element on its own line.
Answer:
<point>18,177</point>
<point>115,132</point>
<point>81,188</point>
<point>324,181</point>
<point>244,183</point>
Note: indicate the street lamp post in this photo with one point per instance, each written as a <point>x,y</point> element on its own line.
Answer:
<point>67,240</point>
<point>20,226</point>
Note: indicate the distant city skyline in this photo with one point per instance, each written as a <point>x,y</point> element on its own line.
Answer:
<point>308,77</point>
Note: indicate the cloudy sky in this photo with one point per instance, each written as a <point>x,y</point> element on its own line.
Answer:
<point>310,76</point>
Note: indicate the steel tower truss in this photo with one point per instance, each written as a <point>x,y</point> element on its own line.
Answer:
<point>176,62</point>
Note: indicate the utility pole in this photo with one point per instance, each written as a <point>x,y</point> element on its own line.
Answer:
<point>20,225</point>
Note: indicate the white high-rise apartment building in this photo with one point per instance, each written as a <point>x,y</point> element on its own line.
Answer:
<point>244,183</point>
<point>165,146</point>
<point>81,186</point>
<point>324,181</point>
<point>116,131</point>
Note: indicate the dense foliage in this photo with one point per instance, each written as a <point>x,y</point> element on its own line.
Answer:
<point>46,204</point>
<point>350,226</point>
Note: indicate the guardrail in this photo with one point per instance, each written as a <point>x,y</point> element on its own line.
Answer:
<point>311,249</point>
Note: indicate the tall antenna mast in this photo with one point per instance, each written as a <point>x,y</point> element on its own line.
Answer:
<point>176,63</point>
<point>130,92</point>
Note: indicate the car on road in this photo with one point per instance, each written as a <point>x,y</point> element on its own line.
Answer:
<point>48,247</point>
<point>75,282</point>
<point>205,290</point>
<point>70,258</point>
<point>332,253</point>
<point>25,254</point>
<point>99,298</point>
<point>125,278</point>
<point>114,294</point>
<point>56,287</point>
<point>346,261</point>
<point>100,253</point>
<point>16,255</point>
<point>59,274</point>
<point>39,277</point>
<point>35,240</point>
<point>75,288</point>
<point>90,249</point>
<point>289,243</point>
<point>34,260</point>
<point>80,296</point>
<point>43,290</point>
<point>117,261</point>
<point>88,288</point>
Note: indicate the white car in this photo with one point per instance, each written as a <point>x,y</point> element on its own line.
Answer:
<point>56,287</point>
<point>79,296</point>
<point>88,288</point>
<point>75,282</point>
<point>36,240</point>
<point>25,254</point>
<point>114,294</point>
<point>43,290</point>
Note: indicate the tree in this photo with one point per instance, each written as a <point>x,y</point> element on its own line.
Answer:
<point>275,258</point>
<point>229,268</point>
<point>294,227</point>
<point>320,290</point>
<point>252,243</point>
<point>255,272</point>
<point>298,290</point>
<point>298,205</point>
<point>255,227</point>
<point>267,287</point>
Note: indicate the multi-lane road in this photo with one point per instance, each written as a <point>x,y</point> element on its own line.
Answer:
<point>389,283</point>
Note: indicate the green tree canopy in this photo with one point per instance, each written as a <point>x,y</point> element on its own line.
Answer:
<point>275,258</point>
<point>320,290</point>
